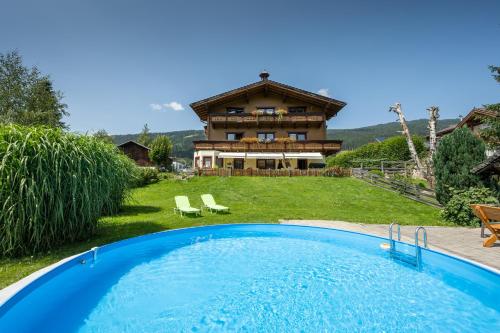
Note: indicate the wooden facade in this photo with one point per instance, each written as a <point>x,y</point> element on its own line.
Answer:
<point>265,120</point>
<point>137,152</point>
<point>473,120</point>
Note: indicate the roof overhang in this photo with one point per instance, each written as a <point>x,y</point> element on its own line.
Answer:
<point>134,143</point>
<point>308,156</point>
<point>329,105</point>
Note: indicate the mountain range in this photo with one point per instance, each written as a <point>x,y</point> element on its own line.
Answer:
<point>352,138</point>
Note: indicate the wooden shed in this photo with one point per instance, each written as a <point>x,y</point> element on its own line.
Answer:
<point>137,152</point>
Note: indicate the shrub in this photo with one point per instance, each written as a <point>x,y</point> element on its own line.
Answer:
<point>54,186</point>
<point>456,154</point>
<point>336,172</point>
<point>145,175</point>
<point>394,148</point>
<point>161,147</point>
<point>377,173</point>
<point>458,210</point>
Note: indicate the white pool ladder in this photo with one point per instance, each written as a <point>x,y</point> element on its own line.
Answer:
<point>415,260</point>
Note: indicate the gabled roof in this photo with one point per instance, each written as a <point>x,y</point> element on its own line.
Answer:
<point>330,105</point>
<point>477,112</point>
<point>132,142</point>
<point>445,131</point>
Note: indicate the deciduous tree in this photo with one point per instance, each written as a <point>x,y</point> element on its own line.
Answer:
<point>161,147</point>
<point>26,96</point>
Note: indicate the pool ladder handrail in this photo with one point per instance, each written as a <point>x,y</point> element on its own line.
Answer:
<point>418,252</point>
<point>392,242</point>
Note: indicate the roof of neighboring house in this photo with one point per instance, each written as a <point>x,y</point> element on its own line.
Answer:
<point>445,131</point>
<point>132,142</point>
<point>477,112</point>
<point>492,163</point>
<point>330,105</point>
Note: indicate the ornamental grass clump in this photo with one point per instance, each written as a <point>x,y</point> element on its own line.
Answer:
<point>54,186</point>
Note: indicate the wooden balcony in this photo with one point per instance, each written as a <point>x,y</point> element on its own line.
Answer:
<point>218,120</point>
<point>326,147</point>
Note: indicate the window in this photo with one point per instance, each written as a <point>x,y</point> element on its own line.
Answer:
<point>302,164</point>
<point>266,164</point>
<point>297,109</point>
<point>234,136</point>
<point>220,162</point>
<point>265,136</point>
<point>238,163</point>
<point>233,110</point>
<point>298,136</point>
<point>266,110</point>
<point>207,162</point>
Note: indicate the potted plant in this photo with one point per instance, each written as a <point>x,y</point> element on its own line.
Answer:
<point>257,113</point>
<point>284,140</point>
<point>249,140</point>
<point>280,113</point>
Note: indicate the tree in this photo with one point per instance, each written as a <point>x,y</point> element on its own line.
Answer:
<point>414,156</point>
<point>103,135</point>
<point>161,147</point>
<point>433,117</point>
<point>491,131</point>
<point>26,96</point>
<point>145,137</point>
<point>456,154</point>
<point>495,70</point>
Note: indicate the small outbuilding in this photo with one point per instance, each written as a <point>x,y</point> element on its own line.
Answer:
<point>139,153</point>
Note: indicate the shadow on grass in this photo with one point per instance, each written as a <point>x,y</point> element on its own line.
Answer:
<point>133,210</point>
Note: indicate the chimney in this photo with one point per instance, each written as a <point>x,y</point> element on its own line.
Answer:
<point>264,75</point>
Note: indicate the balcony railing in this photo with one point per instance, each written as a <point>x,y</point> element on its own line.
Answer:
<point>326,147</point>
<point>247,119</point>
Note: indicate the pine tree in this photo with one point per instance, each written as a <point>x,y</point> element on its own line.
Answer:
<point>145,137</point>
<point>457,153</point>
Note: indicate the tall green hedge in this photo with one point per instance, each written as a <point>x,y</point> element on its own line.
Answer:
<point>54,186</point>
<point>457,153</point>
<point>394,148</point>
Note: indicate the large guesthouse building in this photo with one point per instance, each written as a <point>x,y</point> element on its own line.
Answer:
<point>265,125</point>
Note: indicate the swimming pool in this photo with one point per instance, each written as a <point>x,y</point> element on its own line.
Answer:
<point>265,278</point>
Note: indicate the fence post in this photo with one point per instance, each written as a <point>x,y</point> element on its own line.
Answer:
<point>382,166</point>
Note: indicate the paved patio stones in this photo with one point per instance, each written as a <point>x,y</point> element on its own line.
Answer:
<point>459,241</point>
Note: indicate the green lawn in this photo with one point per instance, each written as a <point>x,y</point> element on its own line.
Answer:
<point>252,199</point>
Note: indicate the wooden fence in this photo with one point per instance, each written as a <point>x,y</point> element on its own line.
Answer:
<point>386,166</point>
<point>409,190</point>
<point>327,172</point>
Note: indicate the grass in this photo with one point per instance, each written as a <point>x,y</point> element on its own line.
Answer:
<point>252,199</point>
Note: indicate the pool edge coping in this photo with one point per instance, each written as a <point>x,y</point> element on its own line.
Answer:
<point>13,289</point>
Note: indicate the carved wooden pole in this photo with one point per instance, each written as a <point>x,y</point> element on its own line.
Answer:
<point>396,108</point>
<point>433,117</point>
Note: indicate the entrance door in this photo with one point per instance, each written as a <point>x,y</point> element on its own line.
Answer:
<point>302,164</point>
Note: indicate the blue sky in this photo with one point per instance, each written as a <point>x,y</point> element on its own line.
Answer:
<point>117,62</point>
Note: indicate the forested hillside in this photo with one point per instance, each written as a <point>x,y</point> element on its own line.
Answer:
<point>353,138</point>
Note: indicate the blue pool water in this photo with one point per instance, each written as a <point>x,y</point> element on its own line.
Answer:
<point>256,278</point>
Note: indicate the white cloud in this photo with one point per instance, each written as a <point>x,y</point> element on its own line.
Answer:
<point>155,106</point>
<point>323,92</point>
<point>174,106</point>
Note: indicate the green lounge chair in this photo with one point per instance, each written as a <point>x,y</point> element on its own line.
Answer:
<point>183,206</point>
<point>209,203</point>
